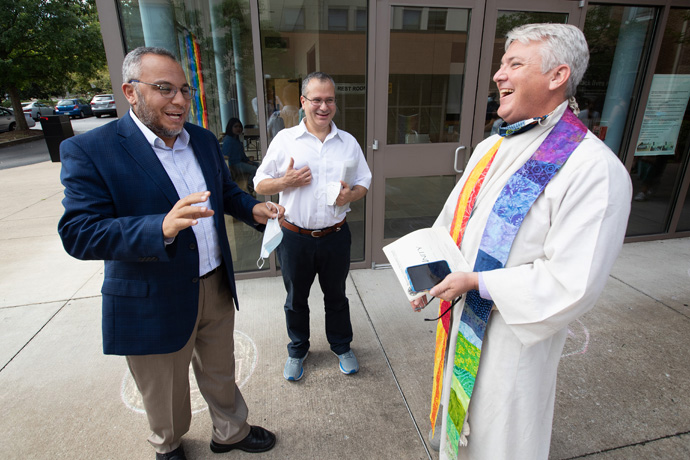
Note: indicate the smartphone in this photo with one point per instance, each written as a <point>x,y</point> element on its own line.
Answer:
<point>425,276</point>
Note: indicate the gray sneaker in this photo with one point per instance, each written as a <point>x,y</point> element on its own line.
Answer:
<point>293,368</point>
<point>348,363</point>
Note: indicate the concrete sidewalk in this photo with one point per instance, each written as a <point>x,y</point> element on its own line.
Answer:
<point>623,391</point>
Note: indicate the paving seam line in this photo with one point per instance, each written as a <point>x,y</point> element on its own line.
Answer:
<point>639,443</point>
<point>651,297</point>
<point>390,367</point>
<point>34,336</point>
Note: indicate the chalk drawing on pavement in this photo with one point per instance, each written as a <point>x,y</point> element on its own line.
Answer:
<point>246,356</point>
<point>577,341</point>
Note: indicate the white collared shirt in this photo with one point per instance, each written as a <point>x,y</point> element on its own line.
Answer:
<point>184,171</point>
<point>307,206</point>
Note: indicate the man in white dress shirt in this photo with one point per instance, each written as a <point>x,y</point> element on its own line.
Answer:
<point>302,164</point>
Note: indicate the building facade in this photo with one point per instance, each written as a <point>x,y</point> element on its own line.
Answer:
<point>414,87</point>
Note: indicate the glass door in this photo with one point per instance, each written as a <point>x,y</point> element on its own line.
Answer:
<point>424,99</point>
<point>302,36</point>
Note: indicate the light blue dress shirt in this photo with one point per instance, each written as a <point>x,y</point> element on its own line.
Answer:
<point>184,171</point>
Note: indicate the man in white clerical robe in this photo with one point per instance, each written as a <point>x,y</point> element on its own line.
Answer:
<point>559,261</point>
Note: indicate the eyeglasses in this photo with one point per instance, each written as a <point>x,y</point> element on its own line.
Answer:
<point>169,91</point>
<point>316,102</point>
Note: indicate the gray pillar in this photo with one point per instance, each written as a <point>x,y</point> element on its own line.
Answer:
<point>239,69</point>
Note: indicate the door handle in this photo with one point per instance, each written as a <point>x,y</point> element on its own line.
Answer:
<point>455,163</point>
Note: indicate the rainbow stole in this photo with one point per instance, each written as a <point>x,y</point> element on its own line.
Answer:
<point>463,210</point>
<point>507,214</point>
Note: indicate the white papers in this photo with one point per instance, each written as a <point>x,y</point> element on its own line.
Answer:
<point>423,246</point>
<point>347,175</point>
<point>332,192</point>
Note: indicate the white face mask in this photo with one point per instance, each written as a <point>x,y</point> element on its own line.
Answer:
<point>273,235</point>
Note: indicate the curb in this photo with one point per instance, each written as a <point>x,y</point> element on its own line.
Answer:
<point>20,141</point>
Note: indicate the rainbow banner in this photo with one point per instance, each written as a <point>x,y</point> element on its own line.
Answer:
<point>195,75</point>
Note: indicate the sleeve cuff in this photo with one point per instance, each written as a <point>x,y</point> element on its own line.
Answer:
<point>483,291</point>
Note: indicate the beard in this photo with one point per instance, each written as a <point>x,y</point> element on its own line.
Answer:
<point>150,118</point>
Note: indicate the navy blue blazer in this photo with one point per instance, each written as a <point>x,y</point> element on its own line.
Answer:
<point>116,196</point>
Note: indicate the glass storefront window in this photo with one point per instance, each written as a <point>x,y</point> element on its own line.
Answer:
<point>619,39</point>
<point>213,41</point>
<point>661,153</point>
<point>305,36</point>
<point>426,74</point>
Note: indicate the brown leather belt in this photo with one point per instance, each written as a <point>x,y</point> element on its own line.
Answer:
<point>314,233</point>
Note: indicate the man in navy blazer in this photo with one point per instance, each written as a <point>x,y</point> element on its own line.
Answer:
<point>147,194</point>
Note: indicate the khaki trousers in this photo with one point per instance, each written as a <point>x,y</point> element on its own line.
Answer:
<point>163,380</point>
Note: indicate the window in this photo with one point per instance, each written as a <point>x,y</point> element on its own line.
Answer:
<point>337,19</point>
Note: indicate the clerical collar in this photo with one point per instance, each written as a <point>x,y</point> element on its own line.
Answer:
<point>521,126</point>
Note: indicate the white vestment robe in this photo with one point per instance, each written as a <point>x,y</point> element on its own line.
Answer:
<point>557,268</point>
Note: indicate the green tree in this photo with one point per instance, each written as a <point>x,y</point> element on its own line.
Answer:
<point>47,43</point>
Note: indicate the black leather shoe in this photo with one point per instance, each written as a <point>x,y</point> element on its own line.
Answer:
<point>177,454</point>
<point>258,440</point>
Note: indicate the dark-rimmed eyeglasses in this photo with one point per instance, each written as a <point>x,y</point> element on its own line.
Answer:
<point>316,102</point>
<point>169,91</point>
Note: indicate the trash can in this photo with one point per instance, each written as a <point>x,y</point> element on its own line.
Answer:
<point>56,128</point>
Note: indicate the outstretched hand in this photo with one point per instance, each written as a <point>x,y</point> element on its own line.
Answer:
<point>184,214</point>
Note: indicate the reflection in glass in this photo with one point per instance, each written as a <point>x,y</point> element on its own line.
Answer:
<point>507,21</point>
<point>213,41</point>
<point>661,152</point>
<point>619,40</point>
<point>428,49</point>
<point>413,203</point>
<point>304,36</point>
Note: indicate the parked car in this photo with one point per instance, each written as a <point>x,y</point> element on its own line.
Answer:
<point>36,109</point>
<point>103,104</point>
<point>74,108</point>
<point>8,123</point>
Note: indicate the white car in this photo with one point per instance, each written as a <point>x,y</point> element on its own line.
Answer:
<point>37,109</point>
<point>103,104</point>
<point>8,123</point>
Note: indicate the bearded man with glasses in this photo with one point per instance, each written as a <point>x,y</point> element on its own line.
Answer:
<point>305,165</point>
<point>147,194</point>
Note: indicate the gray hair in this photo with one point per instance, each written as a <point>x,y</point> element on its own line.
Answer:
<point>131,66</point>
<point>320,76</point>
<point>562,44</point>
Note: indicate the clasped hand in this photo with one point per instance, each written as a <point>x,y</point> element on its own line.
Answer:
<point>346,195</point>
<point>452,287</point>
<point>268,210</point>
